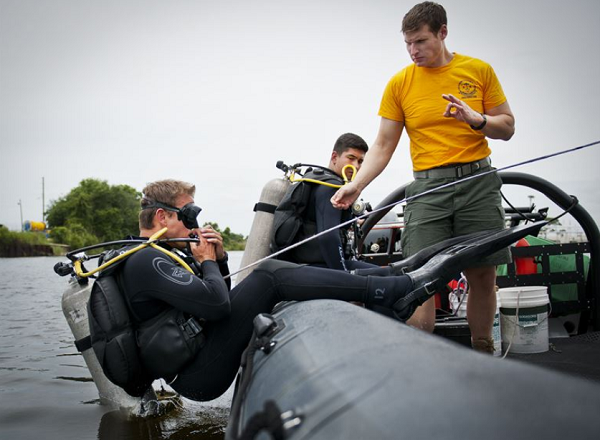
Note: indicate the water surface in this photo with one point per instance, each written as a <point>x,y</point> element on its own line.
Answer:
<point>46,391</point>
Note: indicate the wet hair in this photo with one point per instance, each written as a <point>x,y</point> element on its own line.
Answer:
<point>349,140</point>
<point>426,13</point>
<point>163,191</point>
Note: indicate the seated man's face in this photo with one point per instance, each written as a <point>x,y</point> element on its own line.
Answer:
<point>351,156</point>
<point>176,227</point>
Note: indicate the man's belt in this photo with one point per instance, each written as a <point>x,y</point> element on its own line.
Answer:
<point>453,171</point>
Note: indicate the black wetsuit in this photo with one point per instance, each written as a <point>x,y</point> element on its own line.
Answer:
<point>152,282</point>
<point>327,250</point>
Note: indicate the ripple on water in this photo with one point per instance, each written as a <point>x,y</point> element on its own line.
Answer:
<point>45,387</point>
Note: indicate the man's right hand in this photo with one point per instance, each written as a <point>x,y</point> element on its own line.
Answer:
<point>203,250</point>
<point>345,196</point>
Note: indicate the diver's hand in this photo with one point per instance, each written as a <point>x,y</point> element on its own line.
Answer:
<point>215,238</point>
<point>345,196</point>
<point>203,250</point>
<point>460,111</point>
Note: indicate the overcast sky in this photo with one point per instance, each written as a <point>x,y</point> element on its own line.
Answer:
<point>216,92</point>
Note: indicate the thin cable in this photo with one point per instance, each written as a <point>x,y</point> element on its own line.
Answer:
<point>391,205</point>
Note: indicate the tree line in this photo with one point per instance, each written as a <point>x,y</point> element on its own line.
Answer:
<point>96,212</point>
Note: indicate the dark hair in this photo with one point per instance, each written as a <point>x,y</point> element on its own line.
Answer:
<point>349,140</point>
<point>163,191</point>
<point>426,13</point>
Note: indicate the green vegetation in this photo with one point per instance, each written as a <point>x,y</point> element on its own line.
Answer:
<point>94,212</point>
<point>20,244</point>
<point>231,240</point>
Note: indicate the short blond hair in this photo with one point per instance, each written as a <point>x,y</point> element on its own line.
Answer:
<point>164,191</point>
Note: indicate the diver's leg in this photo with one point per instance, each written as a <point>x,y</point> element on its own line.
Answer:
<point>302,283</point>
<point>356,265</point>
<point>215,367</point>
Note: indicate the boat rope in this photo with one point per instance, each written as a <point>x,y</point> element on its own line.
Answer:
<point>391,205</point>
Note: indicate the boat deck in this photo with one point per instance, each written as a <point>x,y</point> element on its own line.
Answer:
<point>577,355</point>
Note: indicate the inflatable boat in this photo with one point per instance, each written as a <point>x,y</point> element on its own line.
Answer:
<point>332,370</point>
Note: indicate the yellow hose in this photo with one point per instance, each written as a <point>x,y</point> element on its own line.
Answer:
<point>293,179</point>
<point>77,265</point>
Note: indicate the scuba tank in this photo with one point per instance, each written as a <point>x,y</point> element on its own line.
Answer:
<point>75,301</point>
<point>259,239</point>
<point>74,306</point>
<point>258,245</point>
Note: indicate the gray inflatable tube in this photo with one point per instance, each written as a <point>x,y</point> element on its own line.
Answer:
<point>332,370</point>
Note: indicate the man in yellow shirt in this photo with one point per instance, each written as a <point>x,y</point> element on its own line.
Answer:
<point>448,103</point>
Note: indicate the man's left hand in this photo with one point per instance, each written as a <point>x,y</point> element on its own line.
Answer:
<point>460,111</point>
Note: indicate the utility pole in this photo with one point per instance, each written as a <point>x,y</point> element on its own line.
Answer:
<point>43,203</point>
<point>21,209</point>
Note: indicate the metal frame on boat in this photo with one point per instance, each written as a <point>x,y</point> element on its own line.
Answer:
<point>588,291</point>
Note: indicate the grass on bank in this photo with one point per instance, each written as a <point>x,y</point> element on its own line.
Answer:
<point>27,243</point>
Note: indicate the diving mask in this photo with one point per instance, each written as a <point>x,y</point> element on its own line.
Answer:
<point>188,214</point>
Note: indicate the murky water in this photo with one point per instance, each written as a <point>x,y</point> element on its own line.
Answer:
<point>46,391</point>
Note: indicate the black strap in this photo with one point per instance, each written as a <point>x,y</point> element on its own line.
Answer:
<point>268,420</point>
<point>265,207</point>
<point>83,344</point>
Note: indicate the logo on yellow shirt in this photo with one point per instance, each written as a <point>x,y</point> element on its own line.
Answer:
<point>467,89</point>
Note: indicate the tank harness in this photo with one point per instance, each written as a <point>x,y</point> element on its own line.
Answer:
<point>292,220</point>
<point>132,355</point>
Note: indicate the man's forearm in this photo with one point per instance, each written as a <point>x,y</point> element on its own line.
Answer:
<point>375,162</point>
<point>499,127</point>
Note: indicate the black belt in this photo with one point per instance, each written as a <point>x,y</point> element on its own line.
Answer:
<point>452,171</point>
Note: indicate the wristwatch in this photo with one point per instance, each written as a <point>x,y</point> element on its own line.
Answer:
<point>480,126</point>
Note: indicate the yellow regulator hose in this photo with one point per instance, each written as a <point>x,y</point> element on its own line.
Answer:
<point>77,265</point>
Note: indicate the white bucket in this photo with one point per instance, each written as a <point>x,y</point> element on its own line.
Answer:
<point>529,330</point>
<point>461,311</point>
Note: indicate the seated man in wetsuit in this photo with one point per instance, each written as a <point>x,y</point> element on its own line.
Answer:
<point>153,282</point>
<point>330,250</point>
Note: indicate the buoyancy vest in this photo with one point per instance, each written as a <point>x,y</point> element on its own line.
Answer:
<point>292,220</point>
<point>133,354</point>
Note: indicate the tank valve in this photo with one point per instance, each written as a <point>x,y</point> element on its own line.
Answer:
<point>63,269</point>
<point>360,207</point>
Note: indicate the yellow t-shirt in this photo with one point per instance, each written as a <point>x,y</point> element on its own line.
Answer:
<point>414,96</point>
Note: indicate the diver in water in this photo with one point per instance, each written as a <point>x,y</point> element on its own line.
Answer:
<point>153,283</point>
